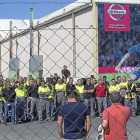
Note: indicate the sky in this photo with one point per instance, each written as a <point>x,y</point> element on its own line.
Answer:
<point>22,11</point>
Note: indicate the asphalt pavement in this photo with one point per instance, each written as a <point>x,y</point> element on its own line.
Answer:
<point>48,131</point>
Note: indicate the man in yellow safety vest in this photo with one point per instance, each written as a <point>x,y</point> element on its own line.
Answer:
<point>44,93</point>
<point>130,96</point>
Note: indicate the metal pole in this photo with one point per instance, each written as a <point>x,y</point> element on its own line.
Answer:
<point>74,46</point>
<point>16,47</point>
<point>11,42</point>
<point>31,32</point>
<point>95,39</point>
<point>39,36</point>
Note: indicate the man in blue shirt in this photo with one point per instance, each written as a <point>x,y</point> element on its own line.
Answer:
<point>75,115</point>
<point>135,49</point>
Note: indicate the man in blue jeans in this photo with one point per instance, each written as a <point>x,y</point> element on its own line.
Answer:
<point>76,116</point>
<point>8,96</point>
<point>20,102</point>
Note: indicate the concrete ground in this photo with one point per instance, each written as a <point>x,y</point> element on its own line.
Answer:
<point>48,131</point>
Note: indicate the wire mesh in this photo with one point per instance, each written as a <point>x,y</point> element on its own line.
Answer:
<point>39,87</point>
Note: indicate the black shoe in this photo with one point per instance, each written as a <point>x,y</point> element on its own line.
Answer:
<point>23,121</point>
<point>28,119</point>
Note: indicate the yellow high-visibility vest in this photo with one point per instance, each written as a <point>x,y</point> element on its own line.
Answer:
<point>114,88</point>
<point>132,93</point>
<point>0,91</point>
<point>80,89</point>
<point>60,86</point>
<point>43,89</point>
<point>20,92</point>
<point>51,96</point>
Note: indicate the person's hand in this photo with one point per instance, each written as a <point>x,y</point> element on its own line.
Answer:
<point>129,97</point>
<point>61,138</point>
<point>117,68</point>
<point>127,91</point>
<point>46,93</point>
<point>5,102</point>
<point>96,98</point>
<point>100,127</point>
<point>30,98</point>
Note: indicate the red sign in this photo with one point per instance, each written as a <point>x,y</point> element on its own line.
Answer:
<point>112,70</point>
<point>117,17</point>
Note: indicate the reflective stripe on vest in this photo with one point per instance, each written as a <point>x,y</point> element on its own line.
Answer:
<point>132,93</point>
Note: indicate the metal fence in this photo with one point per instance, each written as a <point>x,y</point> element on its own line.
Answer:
<point>43,51</point>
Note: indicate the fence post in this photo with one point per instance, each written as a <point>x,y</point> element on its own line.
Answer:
<point>95,39</point>
<point>74,46</point>
<point>39,37</point>
<point>16,47</point>
<point>31,32</point>
<point>11,41</point>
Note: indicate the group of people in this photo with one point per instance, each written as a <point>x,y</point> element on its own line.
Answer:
<point>30,100</point>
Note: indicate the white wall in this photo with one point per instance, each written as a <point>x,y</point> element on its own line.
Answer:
<point>56,46</point>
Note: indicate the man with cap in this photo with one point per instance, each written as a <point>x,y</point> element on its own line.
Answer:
<point>65,72</point>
